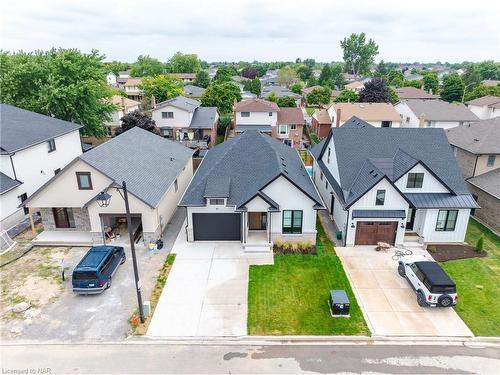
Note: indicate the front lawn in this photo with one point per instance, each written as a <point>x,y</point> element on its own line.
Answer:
<point>478,283</point>
<point>290,297</point>
<point>310,110</point>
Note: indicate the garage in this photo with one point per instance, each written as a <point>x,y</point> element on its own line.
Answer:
<point>371,232</point>
<point>217,226</point>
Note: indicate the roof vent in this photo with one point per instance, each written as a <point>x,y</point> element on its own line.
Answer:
<point>283,164</point>
<point>476,140</point>
<point>285,171</point>
<point>172,158</point>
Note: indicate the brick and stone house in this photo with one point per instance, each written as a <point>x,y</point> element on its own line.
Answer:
<point>321,122</point>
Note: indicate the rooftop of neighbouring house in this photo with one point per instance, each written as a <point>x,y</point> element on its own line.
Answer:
<point>488,182</point>
<point>439,110</point>
<point>367,111</point>
<point>486,101</point>
<point>414,93</point>
<point>291,116</point>
<point>481,137</point>
<point>256,105</point>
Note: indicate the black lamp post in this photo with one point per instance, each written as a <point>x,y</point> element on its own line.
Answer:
<point>103,200</point>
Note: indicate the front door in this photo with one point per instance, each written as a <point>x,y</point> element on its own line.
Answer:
<point>23,197</point>
<point>257,220</point>
<point>410,220</point>
<point>63,217</point>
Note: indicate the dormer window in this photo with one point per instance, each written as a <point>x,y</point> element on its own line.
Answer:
<point>415,180</point>
<point>216,201</point>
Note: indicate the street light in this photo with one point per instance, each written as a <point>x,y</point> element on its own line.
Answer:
<point>103,200</point>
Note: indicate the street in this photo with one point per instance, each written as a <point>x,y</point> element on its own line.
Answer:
<point>158,358</point>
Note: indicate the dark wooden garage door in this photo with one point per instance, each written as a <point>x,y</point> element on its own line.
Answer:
<point>217,227</point>
<point>371,232</point>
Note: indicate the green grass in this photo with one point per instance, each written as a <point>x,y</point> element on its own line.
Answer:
<point>219,139</point>
<point>478,283</point>
<point>290,297</point>
<point>310,110</point>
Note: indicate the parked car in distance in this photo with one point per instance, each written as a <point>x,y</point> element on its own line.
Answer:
<point>94,272</point>
<point>432,285</point>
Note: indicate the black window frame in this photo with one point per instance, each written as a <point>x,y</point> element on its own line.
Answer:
<point>216,201</point>
<point>80,187</point>
<point>386,124</point>
<point>270,114</point>
<point>493,158</point>
<point>56,171</point>
<point>52,145</point>
<point>412,181</point>
<point>447,220</point>
<point>377,200</point>
<point>292,229</point>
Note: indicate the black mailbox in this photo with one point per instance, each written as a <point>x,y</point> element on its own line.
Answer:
<point>339,303</point>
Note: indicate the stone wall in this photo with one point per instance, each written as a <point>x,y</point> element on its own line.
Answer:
<point>80,215</point>
<point>489,212</point>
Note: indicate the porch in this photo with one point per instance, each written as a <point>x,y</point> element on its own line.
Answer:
<point>257,231</point>
<point>63,238</point>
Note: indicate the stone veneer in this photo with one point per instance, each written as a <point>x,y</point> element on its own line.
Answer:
<point>80,215</point>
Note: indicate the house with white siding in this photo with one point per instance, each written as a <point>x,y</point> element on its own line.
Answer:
<point>382,185</point>
<point>485,107</point>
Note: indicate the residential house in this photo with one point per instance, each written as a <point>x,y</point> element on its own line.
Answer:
<point>193,92</point>
<point>156,172</point>
<point>124,106</point>
<point>423,113</point>
<point>485,107</point>
<point>247,95</point>
<point>405,93</point>
<point>185,77</point>
<point>33,148</point>
<point>256,203</point>
<point>111,79</point>
<point>284,124</point>
<point>412,77</point>
<point>183,119</point>
<point>321,122</point>
<point>490,82</point>
<point>377,114</point>
<point>477,149</point>
<point>280,92</point>
<point>132,89</point>
<point>380,184</point>
<point>122,78</point>
<point>355,86</point>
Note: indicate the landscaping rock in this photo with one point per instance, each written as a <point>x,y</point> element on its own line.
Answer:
<point>16,330</point>
<point>20,307</point>
<point>32,313</point>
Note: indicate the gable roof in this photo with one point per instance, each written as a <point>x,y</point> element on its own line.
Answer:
<point>439,110</point>
<point>133,81</point>
<point>20,128</point>
<point>194,91</point>
<point>204,118</point>
<point>354,85</point>
<point>184,75</point>
<point>187,104</point>
<point>481,137</point>
<point>321,114</point>
<point>226,170</point>
<point>279,90</point>
<point>488,100</point>
<point>7,183</point>
<point>488,182</point>
<point>414,93</point>
<point>291,116</point>
<point>148,163</point>
<point>365,155</point>
<point>367,111</point>
<point>256,105</point>
<point>123,102</point>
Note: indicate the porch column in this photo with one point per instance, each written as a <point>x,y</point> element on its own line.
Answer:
<point>269,226</point>
<point>32,224</point>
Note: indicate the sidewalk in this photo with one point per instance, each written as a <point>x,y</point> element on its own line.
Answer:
<point>330,227</point>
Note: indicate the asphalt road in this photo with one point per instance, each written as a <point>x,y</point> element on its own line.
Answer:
<point>156,358</point>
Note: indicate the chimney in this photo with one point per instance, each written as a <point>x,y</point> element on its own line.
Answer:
<point>153,102</point>
<point>337,118</point>
<point>421,120</point>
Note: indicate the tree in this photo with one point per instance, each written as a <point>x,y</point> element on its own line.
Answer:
<point>272,97</point>
<point>453,88</point>
<point>431,82</point>
<point>116,67</point>
<point>319,96</point>
<point>413,83</point>
<point>337,78</point>
<point>304,72</point>
<point>224,73</point>
<point>347,96</point>
<point>202,79</point>
<point>62,83</point>
<point>287,76</point>
<point>393,96</point>
<point>471,79</point>
<point>136,118</point>
<point>375,91</point>
<point>221,95</point>
<point>162,87</point>
<point>326,76</point>
<point>249,72</point>
<point>489,70</point>
<point>358,53</point>
<point>185,63</point>
<point>382,69</point>
<point>146,66</point>
<point>312,81</point>
<point>396,78</point>
<point>481,91</point>
<point>309,62</point>
<point>286,101</point>
<point>253,85</point>
<point>297,87</point>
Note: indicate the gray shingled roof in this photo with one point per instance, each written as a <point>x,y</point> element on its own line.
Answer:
<point>148,163</point>
<point>438,110</point>
<point>180,102</point>
<point>7,183</point>
<point>248,162</point>
<point>194,91</point>
<point>21,128</point>
<point>489,182</point>
<point>482,137</point>
<point>204,118</point>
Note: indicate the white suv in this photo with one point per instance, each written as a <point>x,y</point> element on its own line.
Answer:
<point>432,285</point>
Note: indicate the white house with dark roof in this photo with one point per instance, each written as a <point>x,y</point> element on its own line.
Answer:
<point>33,148</point>
<point>156,171</point>
<point>185,120</point>
<point>256,203</point>
<point>485,107</point>
<point>381,185</point>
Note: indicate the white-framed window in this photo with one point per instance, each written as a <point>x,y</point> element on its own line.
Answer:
<point>429,124</point>
<point>167,115</point>
<point>245,114</point>
<point>491,160</point>
<point>415,180</point>
<point>216,201</point>
<point>283,129</point>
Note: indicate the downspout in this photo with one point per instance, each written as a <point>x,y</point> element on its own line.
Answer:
<point>475,165</point>
<point>187,223</point>
<point>12,164</point>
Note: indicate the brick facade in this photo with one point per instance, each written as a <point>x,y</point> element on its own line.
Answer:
<point>489,212</point>
<point>466,161</point>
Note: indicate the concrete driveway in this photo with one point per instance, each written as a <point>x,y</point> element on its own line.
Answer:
<point>206,290</point>
<point>388,302</point>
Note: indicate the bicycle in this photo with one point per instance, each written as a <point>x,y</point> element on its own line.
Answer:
<point>400,253</point>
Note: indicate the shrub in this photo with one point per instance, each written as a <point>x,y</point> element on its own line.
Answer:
<point>480,244</point>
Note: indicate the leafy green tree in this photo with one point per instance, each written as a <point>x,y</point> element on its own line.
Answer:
<point>249,72</point>
<point>287,76</point>
<point>337,78</point>
<point>471,78</point>
<point>382,69</point>
<point>393,96</point>
<point>297,87</point>
<point>359,54</point>
<point>162,87</point>
<point>136,118</point>
<point>489,70</point>
<point>309,62</point>
<point>272,97</point>
<point>319,96</point>
<point>312,81</point>
<point>63,83</point>
<point>431,82</point>
<point>253,85</point>
<point>325,77</point>
<point>482,90</point>
<point>375,91</point>
<point>221,95</point>
<point>304,72</point>
<point>202,79</point>
<point>286,101</point>
<point>413,83</point>
<point>185,63</point>
<point>347,96</point>
<point>453,88</point>
<point>116,66</point>
<point>224,73</point>
<point>146,66</point>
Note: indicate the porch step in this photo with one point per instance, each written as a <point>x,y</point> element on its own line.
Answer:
<point>257,248</point>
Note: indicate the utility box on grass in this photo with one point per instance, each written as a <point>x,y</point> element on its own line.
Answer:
<point>339,303</point>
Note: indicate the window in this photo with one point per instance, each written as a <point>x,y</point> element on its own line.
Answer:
<point>176,185</point>
<point>380,198</point>
<point>293,127</point>
<point>167,133</point>
<point>283,129</point>
<point>491,160</point>
<point>329,153</point>
<point>407,119</point>
<point>109,131</point>
<point>216,202</point>
<point>386,124</point>
<point>52,145</point>
<point>292,222</point>
<point>321,176</point>
<point>84,180</point>
<point>415,180</point>
<point>57,171</point>
<point>288,142</point>
<point>245,114</point>
<point>326,184</point>
<point>429,124</point>
<point>446,220</point>
<point>167,115</point>
<point>63,217</point>
<point>270,114</point>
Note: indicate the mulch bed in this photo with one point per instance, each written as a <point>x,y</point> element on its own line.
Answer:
<point>443,253</point>
<point>281,250</point>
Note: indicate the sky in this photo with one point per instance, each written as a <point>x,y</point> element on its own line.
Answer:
<point>263,30</point>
